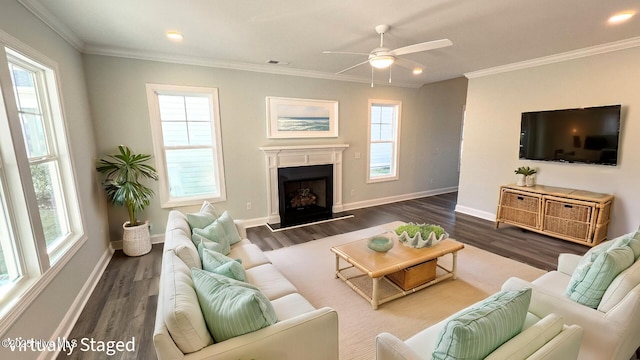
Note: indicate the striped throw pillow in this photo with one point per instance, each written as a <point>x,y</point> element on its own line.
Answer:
<point>475,332</point>
<point>605,268</point>
<point>231,308</point>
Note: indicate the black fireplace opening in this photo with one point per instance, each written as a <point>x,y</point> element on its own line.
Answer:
<point>305,194</point>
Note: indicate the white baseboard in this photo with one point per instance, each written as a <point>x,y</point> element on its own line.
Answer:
<point>155,239</point>
<point>72,315</point>
<point>249,223</point>
<point>476,213</point>
<point>397,198</point>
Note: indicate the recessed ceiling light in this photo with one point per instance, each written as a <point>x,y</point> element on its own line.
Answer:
<point>417,71</point>
<point>618,18</point>
<point>174,35</point>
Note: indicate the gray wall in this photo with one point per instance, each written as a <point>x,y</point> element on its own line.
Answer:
<point>492,128</point>
<point>430,131</point>
<point>47,312</point>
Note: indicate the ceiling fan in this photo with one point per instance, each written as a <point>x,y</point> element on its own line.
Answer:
<point>382,57</point>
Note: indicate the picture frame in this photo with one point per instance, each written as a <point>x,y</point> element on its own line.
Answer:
<point>291,118</point>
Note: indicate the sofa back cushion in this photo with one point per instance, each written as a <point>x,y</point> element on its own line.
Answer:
<point>620,287</point>
<point>180,242</point>
<point>476,331</point>
<point>529,340</point>
<point>177,220</point>
<point>181,310</point>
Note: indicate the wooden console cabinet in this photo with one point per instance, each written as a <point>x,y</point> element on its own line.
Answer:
<point>574,215</point>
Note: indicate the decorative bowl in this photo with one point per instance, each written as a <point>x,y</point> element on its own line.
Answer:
<point>417,240</point>
<point>380,243</point>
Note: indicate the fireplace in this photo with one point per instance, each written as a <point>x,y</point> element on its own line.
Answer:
<point>305,194</point>
<point>304,157</point>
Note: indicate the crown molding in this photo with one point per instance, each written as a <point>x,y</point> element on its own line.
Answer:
<point>42,13</point>
<point>232,65</point>
<point>569,55</point>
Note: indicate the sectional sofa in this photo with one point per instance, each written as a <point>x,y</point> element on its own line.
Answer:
<point>180,329</point>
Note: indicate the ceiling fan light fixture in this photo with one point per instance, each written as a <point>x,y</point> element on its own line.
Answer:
<point>174,36</point>
<point>622,17</point>
<point>381,61</point>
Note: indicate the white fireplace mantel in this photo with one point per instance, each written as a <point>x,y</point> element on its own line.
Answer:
<point>303,155</point>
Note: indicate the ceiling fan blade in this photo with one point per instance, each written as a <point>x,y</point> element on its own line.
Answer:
<point>409,64</point>
<point>429,45</point>
<point>352,67</point>
<point>344,52</point>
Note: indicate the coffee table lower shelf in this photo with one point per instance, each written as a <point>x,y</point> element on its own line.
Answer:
<point>382,286</point>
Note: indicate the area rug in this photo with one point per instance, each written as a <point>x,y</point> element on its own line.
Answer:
<point>311,268</point>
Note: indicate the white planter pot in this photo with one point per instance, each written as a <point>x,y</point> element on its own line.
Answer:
<point>520,181</point>
<point>530,180</point>
<point>136,240</point>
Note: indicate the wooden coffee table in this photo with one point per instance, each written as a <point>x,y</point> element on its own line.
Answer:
<point>376,265</point>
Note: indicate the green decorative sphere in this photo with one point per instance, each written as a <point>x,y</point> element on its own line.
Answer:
<point>380,243</point>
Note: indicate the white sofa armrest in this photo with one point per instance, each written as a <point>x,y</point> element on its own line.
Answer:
<point>312,335</point>
<point>622,320</point>
<point>241,229</point>
<point>567,263</point>
<point>389,347</point>
<point>566,345</point>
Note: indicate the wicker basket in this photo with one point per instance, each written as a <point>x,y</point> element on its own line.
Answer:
<point>136,240</point>
<point>415,275</point>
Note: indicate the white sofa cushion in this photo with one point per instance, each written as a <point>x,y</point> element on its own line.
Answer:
<point>250,254</point>
<point>182,313</point>
<point>182,245</point>
<point>529,340</point>
<point>270,281</point>
<point>290,306</point>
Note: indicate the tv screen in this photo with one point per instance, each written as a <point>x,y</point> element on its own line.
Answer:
<point>584,135</point>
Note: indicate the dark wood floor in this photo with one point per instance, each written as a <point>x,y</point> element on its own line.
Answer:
<point>528,247</point>
<point>123,305</point>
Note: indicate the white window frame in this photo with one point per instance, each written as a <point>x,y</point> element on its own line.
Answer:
<point>167,201</point>
<point>395,141</point>
<point>38,265</point>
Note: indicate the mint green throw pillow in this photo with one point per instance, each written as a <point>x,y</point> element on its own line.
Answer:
<point>581,271</point>
<point>230,307</point>
<point>476,331</point>
<point>631,240</point>
<point>606,266</point>
<point>230,228</point>
<point>215,262</point>
<point>203,218</point>
<point>215,232</point>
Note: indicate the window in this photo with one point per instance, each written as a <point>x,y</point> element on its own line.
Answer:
<point>40,221</point>
<point>384,132</point>
<point>185,123</point>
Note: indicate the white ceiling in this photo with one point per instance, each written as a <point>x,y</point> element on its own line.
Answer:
<point>246,34</point>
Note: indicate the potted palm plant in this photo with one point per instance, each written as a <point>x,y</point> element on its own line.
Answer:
<point>123,173</point>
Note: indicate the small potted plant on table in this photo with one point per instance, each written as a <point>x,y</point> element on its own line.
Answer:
<point>123,173</point>
<point>525,176</point>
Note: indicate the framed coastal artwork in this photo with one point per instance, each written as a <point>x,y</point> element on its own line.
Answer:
<point>301,118</point>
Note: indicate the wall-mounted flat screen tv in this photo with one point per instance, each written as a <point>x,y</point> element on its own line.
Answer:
<point>584,135</point>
